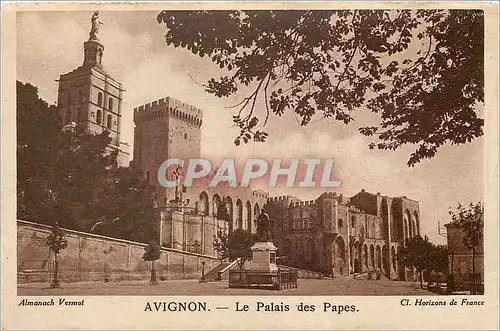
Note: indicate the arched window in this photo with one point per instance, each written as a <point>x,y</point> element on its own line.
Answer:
<point>108,122</point>
<point>256,211</point>
<point>216,204</point>
<point>78,114</point>
<point>99,99</point>
<point>416,223</point>
<point>204,206</point>
<point>353,221</point>
<point>99,116</point>
<point>80,95</point>
<point>239,213</point>
<point>340,224</point>
<point>248,208</point>
<point>110,104</point>
<point>372,256</point>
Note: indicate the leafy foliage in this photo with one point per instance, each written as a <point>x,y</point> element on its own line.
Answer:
<point>124,203</point>
<point>56,170</point>
<point>421,254</point>
<point>56,240</point>
<point>222,212</point>
<point>220,245</point>
<point>239,245</point>
<point>421,70</point>
<point>152,251</point>
<point>70,177</point>
<point>438,259</point>
<point>471,221</point>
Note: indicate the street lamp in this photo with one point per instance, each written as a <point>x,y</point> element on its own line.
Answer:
<point>202,270</point>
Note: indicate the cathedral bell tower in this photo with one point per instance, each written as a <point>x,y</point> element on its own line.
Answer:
<point>93,53</point>
<point>89,97</point>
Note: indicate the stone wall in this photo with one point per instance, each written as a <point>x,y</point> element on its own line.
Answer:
<point>91,257</point>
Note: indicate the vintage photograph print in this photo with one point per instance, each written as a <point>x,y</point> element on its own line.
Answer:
<point>108,102</point>
<point>244,152</point>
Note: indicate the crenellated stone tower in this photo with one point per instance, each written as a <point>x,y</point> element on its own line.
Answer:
<point>165,128</point>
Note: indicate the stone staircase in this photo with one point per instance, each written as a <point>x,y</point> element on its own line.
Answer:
<point>220,272</point>
<point>213,275</point>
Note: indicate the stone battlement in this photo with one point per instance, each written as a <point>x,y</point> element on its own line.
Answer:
<point>171,108</point>
<point>260,194</point>
<point>281,198</point>
<point>171,103</point>
<point>309,203</point>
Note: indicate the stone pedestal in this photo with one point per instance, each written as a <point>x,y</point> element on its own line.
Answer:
<point>263,257</point>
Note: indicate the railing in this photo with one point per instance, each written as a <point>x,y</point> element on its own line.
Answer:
<point>227,268</point>
<point>476,284</point>
<point>277,280</point>
<point>194,248</point>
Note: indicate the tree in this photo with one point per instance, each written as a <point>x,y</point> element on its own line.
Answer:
<point>56,171</point>
<point>220,244</point>
<point>239,246</point>
<point>38,127</point>
<point>124,206</point>
<point>152,252</point>
<point>417,253</point>
<point>439,258</point>
<point>56,242</point>
<point>471,220</point>
<point>420,70</point>
<point>223,214</point>
<point>71,177</point>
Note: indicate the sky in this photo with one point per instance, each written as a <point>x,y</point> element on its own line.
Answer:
<point>51,43</point>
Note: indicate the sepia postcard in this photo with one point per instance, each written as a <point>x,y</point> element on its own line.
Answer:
<point>250,165</point>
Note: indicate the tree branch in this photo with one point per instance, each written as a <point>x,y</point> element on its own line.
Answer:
<point>265,100</point>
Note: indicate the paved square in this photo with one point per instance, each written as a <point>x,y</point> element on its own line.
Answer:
<point>337,286</point>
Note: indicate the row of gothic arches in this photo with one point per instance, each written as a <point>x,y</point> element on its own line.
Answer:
<point>408,227</point>
<point>411,224</point>
<point>367,256</point>
<point>241,215</point>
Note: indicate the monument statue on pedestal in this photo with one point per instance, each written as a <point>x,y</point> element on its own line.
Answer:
<point>94,30</point>
<point>263,227</point>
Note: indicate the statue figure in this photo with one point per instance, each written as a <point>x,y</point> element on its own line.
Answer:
<point>263,227</point>
<point>94,30</point>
